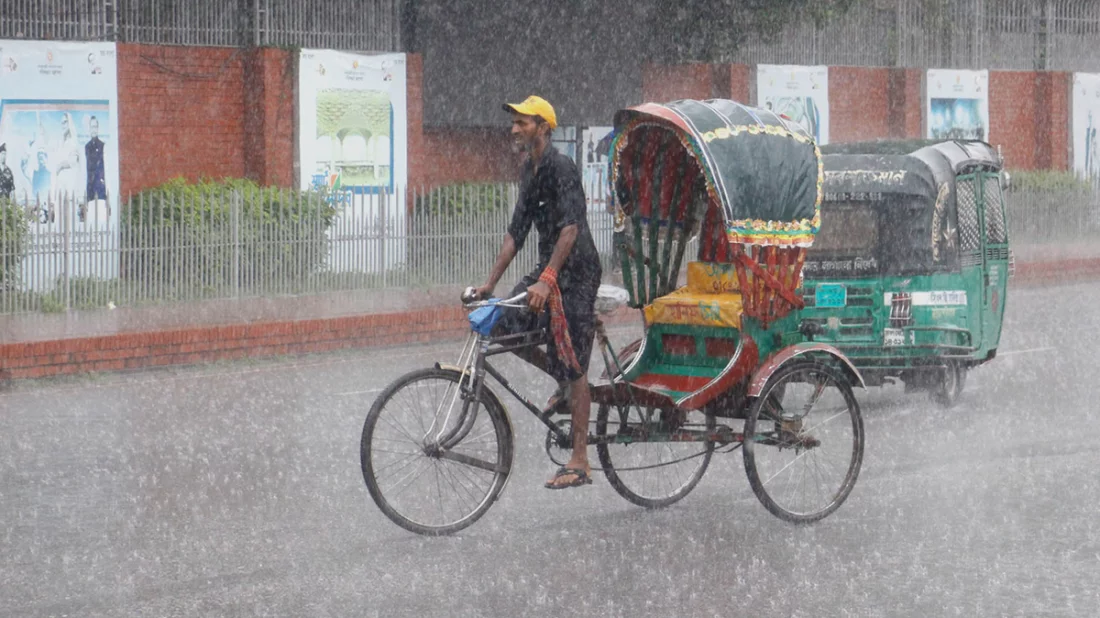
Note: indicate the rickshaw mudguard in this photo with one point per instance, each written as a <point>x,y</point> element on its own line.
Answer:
<point>739,367</point>
<point>780,358</point>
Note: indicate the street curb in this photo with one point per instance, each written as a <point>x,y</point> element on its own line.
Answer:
<point>1056,272</point>
<point>200,345</point>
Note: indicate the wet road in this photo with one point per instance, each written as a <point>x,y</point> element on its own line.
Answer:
<point>235,491</point>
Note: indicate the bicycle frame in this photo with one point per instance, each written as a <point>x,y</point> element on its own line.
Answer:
<point>474,367</point>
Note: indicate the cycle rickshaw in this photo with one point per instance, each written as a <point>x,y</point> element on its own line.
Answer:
<point>725,362</point>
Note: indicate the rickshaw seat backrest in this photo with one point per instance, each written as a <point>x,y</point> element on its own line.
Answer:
<point>710,298</point>
<point>664,213</point>
<point>712,277</point>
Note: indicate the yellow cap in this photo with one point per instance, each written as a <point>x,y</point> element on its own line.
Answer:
<point>535,106</point>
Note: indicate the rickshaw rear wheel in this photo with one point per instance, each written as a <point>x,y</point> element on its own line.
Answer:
<point>949,385</point>
<point>652,473</point>
<point>803,449</point>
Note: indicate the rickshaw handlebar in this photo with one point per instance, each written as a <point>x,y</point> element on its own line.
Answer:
<point>469,300</point>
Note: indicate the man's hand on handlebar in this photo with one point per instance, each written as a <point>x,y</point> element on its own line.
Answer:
<point>472,294</point>
<point>537,295</point>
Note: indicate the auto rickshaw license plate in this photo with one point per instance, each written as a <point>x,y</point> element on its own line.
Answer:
<point>893,337</point>
<point>830,296</point>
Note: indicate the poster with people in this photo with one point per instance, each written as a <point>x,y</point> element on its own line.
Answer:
<point>59,154</point>
<point>800,93</point>
<point>1085,122</point>
<point>595,152</point>
<point>957,104</point>
<point>352,143</point>
<point>595,144</point>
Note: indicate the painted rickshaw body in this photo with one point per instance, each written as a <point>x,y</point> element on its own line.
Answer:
<point>741,188</point>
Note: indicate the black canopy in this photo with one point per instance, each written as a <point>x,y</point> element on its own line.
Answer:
<point>909,201</point>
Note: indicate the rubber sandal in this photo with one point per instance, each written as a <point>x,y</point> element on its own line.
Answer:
<point>582,475</point>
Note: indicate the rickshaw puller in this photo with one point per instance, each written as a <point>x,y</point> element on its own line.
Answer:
<point>567,276</point>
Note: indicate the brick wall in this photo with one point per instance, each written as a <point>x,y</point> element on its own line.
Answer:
<point>859,103</point>
<point>1012,120</point>
<point>181,113</point>
<point>468,154</point>
<point>695,81</point>
<point>1061,110</point>
<point>414,114</point>
<point>904,103</point>
<point>216,112</point>
<point>271,83</point>
<point>204,111</point>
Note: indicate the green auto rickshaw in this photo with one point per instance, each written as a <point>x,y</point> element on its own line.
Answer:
<point>908,274</point>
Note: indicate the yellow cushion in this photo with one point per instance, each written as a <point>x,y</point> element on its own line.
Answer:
<point>691,308</point>
<point>711,278</point>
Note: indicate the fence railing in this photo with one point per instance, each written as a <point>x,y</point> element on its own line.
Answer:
<point>963,34</point>
<point>353,25</point>
<point>73,255</point>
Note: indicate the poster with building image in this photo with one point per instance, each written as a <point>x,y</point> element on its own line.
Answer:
<point>800,93</point>
<point>1085,122</point>
<point>59,155</point>
<point>957,104</point>
<point>352,119</point>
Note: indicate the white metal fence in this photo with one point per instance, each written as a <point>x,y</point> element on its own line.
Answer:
<point>965,34</point>
<point>949,34</point>
<point>61,255</point>
<point>169,249</point>
<point>358,25</point>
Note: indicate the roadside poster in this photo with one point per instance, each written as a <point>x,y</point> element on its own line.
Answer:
<point>1085,121</point>
<point>800,93</point>
<point>957,104</point>
<point>59,154</point>
<point>353,142</point>
<point>352,120</point>
<point>595,152</point>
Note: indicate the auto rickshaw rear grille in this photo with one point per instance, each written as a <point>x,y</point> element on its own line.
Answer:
<point>857,327</point>
<point>996,253</point>
<point>851,322</point>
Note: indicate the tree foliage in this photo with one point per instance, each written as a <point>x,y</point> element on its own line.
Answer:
<point>712,30</point>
